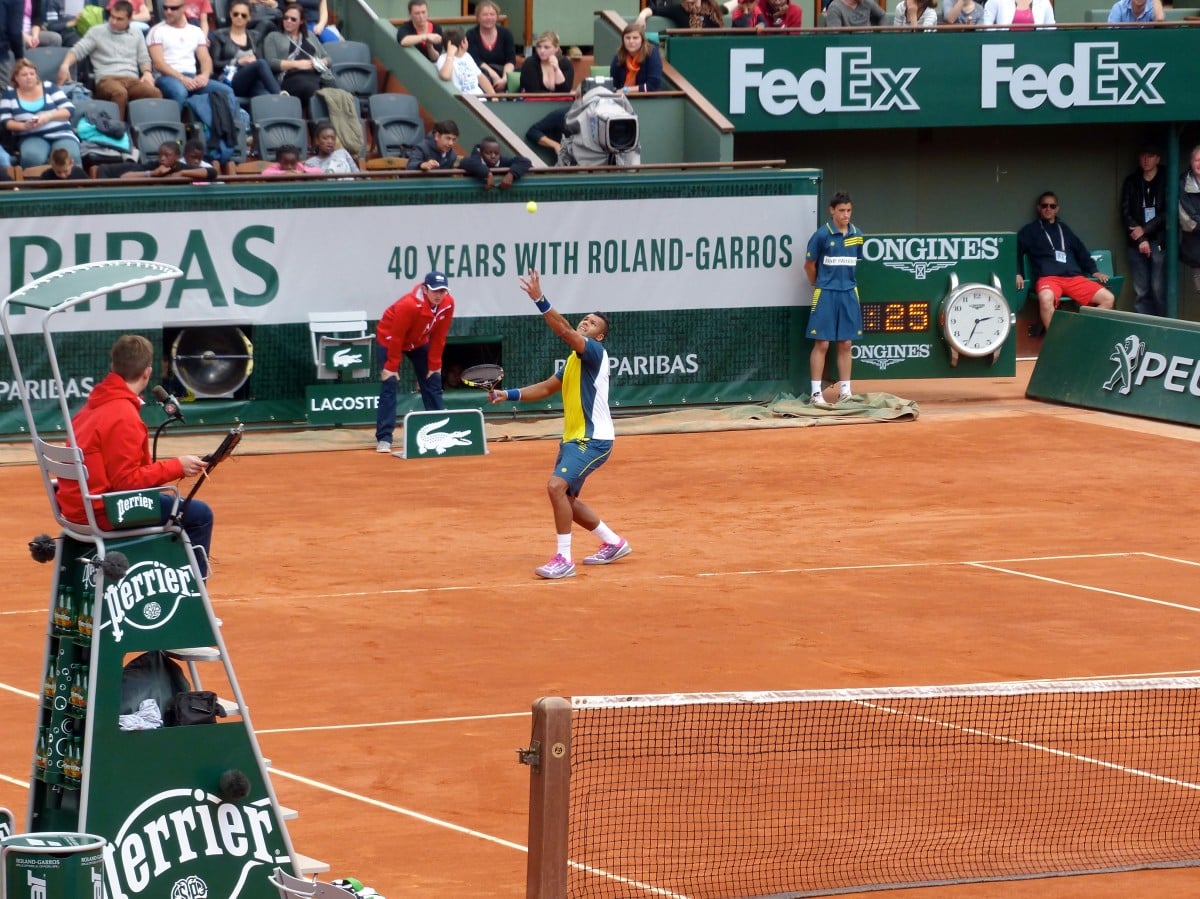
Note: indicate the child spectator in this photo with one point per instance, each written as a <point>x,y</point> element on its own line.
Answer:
<point>330,158</point>
<point>456,65</point>
<point>486,156</point>
<point>62,167</point>
<point>287,162</point>
<point>436,151</point>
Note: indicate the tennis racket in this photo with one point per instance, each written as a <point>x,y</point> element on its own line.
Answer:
<point>485,377</point>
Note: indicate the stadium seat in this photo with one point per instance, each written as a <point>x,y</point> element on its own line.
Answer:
<point>278,122</point>
<point>397,123</point>
<point>154,123</point>
<point>48,60</point>
<point>353,70</point>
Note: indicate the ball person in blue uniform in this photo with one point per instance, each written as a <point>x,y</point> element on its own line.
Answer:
<point>833,253</point>
<point>587,431</point>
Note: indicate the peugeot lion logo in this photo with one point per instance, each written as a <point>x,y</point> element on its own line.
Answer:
<point>1127,354</point>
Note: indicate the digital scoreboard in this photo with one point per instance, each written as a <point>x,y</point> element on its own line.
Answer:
<point>903,280</point>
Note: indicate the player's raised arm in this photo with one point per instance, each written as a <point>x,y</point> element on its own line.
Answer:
<point>559,325</point>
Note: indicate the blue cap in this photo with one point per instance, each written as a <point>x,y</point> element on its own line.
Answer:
<point>437,281</point>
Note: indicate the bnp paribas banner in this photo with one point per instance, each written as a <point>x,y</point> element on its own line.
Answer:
<point>272,266</point>
<point>1121,362</point>
<point>993,77</point>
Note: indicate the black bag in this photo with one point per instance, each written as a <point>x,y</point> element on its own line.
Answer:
<point>152,675</point>
<point>193,707</point>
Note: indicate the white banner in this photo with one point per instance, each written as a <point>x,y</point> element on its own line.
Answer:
<point>276,266</point>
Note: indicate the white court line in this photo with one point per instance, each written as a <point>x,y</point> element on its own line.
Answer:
<point>1172,559</point>
<point>1050,750</point>
<point>14,781</point>
<point>1088,587</point>
<point>458,828</point>
<point>459,718</point>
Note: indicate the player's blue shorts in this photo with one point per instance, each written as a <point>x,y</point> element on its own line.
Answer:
<point>579,458</point>
<point>836,315</point>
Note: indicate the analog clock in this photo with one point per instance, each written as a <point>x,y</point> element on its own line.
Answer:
<point>976,319</point>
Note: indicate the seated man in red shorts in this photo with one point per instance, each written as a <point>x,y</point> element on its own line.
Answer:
<point>1061,264</point>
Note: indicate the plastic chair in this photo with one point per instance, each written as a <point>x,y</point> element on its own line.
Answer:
<point>278,121</point>
<point>353,69</point>
<point>291,887</point>
<point>154,123</point>
<point>48,60</point>
<point>397,123</point>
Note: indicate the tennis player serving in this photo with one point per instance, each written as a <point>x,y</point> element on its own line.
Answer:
<point>587,431</point>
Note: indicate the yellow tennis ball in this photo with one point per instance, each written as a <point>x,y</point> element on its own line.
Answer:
<point>531,207</point>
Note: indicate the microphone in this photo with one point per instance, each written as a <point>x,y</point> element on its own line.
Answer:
<point>169,404</point>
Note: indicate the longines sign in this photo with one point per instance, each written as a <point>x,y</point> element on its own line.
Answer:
<point>893,80</point>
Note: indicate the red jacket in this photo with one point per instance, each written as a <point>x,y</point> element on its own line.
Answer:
<point>792,16</point>
<point>411,322</point>
<point>116,450</point>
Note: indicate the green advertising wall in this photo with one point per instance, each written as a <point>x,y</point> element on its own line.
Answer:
<point>1121,362</point>
<point>700,273</point>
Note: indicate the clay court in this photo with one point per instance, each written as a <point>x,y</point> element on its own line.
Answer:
<point>389,634</point>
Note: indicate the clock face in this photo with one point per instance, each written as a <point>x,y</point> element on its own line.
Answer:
<point>976,319</point>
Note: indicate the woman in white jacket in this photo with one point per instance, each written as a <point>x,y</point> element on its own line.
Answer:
<point>1018,14</point>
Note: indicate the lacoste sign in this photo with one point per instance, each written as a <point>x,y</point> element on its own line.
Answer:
<point>453,432</point>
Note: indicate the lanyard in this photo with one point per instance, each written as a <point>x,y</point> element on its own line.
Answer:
<point>1062,240</point>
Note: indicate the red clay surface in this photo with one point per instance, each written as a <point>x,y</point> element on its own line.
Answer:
<point>389,634</point>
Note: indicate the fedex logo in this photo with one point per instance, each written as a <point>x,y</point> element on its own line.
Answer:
<point>846,83</point>
<point>1095,76</point>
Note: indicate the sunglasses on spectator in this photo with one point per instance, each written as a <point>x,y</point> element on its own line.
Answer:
<point>1047,205</point>
<point>173,8</point>
<point>239,15</point>
<point>291,18</point>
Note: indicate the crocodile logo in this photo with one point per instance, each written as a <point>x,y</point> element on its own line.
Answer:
<point>1127,355</point>
<point>429,439</point>
<point>347,357</point>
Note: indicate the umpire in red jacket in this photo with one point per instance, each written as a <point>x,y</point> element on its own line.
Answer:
<point>415,326</point>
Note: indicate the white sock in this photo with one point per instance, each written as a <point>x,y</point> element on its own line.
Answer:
<point>845,388</point>
<point>605,533</point>
<point>816,388</point>
<point>564,546</point>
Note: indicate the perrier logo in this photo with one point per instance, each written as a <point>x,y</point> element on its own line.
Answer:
<point>147,596</point>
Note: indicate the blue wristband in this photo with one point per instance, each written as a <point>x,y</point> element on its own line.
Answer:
<point>514,394</point>
<point>543,304</point>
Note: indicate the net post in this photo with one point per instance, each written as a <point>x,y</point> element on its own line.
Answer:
<point>549,758</point>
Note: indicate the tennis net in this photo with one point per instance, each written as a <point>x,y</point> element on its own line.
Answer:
<point>817,792</point>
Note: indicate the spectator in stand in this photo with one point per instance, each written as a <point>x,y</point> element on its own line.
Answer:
<point>197,12</point>
<point>169,165</point>
<point>456,65</point>
<point>39,114</point>
<point>492,45</point>
<point>193,159</point>
<point>637,67</point>
<point>546,71</point>
<point>916,14</point>
<point>855,14</point>
<point>54,18</point>
<point>12,38</point>
<point>548,131</point>
<point>179,54</point>
<point>1018,15</point>
<point>294,57</point>
<point>1189,217</point>
<point>330,158</point>
<point>287,162</point>
<point>962,12</point>
<point>745,14</point>
<point>265,16</point>
<point>1137,11</point>
<point>486,157</point>
<point>781,13</point>
<point>418,31</point>
<point>120,61</point>
<point>316,17</point>
<point>436,151</point>
<point>1143,210</point>
<point>687,13</point>
<point>62,168</point>
<point>34,27</point>
<point>139,19</point>
<point>234,56</point>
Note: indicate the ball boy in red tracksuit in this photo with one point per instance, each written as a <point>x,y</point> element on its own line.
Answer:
<point>415,326</point>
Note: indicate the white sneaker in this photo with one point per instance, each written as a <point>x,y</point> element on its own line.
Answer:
<point>383,447</point>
